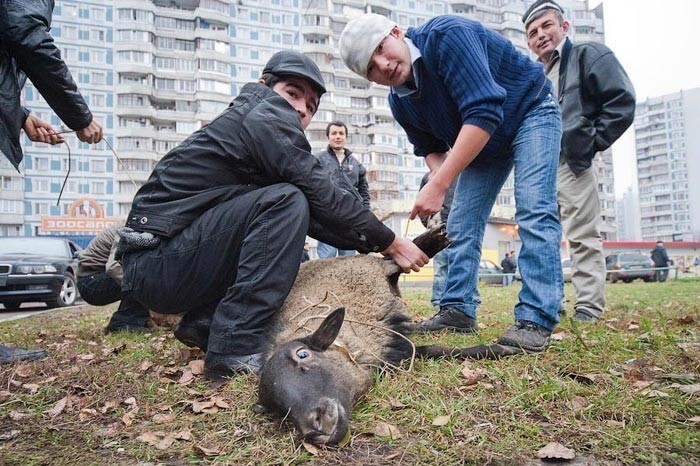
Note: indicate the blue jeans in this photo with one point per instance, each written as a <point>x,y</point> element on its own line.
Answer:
<point>326,251</point>
<point>439,276</point>
<point>508,279</point>
<point>535,154</point>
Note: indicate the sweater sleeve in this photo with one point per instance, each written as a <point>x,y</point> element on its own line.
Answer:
<point>458,55</point>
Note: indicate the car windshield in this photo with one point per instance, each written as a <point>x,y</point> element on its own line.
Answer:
<point>38,246</point>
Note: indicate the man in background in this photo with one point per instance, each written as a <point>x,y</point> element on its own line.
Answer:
<point>597,105</point>
<point>661,261</point>
<point>346,172</point>
<point>27,50</point>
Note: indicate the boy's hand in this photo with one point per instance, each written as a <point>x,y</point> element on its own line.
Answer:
<point>406,254</point>
<point>429,201</point>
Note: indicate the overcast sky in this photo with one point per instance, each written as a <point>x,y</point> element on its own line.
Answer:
<point>658,44</point>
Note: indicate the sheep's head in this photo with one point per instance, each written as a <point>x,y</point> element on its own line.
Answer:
<point>313,383</point>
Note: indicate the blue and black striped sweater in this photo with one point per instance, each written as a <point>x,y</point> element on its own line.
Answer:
<point>468,75</point>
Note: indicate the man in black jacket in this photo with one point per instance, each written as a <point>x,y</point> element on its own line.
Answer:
<point>346,172</point>
<point>661,261</point>
<point>228,211</point>
<point>27,50</point>
<point>597,105</point>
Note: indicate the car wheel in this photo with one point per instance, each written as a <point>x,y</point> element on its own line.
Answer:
<point>12,306</point>
<point>627,280</point>
<point>68,293</point>
<point>648,279</point>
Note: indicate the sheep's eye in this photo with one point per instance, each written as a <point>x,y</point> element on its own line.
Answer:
<point>302,353</point>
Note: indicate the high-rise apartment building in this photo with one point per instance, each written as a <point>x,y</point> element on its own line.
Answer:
<point>668,162</point>
<point>170,66</point>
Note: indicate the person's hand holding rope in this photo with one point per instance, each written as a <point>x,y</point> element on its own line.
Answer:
<point>92,133</point>
<point>40,131</point>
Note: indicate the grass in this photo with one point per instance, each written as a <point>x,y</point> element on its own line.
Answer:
<point>612,391</point>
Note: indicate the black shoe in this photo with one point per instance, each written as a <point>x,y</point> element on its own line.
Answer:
<point>582,315</point>
<point>451,319</point>
<point>526,335</point>
<point>218,367</point>
<point>9,355</point>
<point>193,333</point>
<point>129,328</point>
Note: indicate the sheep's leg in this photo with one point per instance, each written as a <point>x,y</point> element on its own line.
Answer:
<point>430,242</point>
<point>473,352</point>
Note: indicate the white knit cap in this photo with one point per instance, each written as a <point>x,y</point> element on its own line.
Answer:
<point>360,38</point>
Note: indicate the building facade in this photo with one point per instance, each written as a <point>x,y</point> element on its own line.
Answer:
<point>668,161</point>
<point>156,70</point>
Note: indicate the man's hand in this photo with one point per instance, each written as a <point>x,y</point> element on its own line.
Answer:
<point>429,200</point>
<point>92,133</point>
<point>39,131</point>
<point>406,254</point>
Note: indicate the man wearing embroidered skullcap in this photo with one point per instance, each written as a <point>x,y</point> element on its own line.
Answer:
<point>597,103</point>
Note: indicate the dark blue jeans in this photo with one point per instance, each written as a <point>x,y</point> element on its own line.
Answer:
<point>534,154</point>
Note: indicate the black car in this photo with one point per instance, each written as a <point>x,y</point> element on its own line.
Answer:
<point>627,266</point>
<point>38,269</point>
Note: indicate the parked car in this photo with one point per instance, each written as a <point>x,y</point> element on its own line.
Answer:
<point>39,269</point>
<point>490,273</point>
<point>565,269</point>
<point>627,266</point>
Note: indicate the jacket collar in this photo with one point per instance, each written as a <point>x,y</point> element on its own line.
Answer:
<point>565,53</point>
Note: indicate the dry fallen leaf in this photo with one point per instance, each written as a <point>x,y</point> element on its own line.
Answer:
<point>203,406</point>
<point>145,365</point>
<point>163,418</point>
<point>86,357</point>
<point>23,370</point>
<point>17,416</point>
<point>311,448</point>
<point>472,376</point>
<point>220,402</point>
<point>396,405</point>
<point>9,435</point>
<point>556,451</point>
<point>183,435</point>
<point>578,403</point>
<point>694,419</point>
<point>654,394</point>
<point>196,366</point>
<point>58,407</point>
<point>640,384</point>
<point>31,387</point>
<point>692,389</point>
<point>128,418</point>
<point>685,320</point>
<point>442,420</point>
<point>109,431</point>
<point>206,451</point>
<point>131,401</point>
<point>186,378</point>
<point>5,394</point>
<point>384,429</point>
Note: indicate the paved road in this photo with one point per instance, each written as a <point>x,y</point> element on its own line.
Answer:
<point>31,309</point>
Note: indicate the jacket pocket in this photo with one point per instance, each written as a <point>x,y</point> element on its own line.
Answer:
<point>578,140</point>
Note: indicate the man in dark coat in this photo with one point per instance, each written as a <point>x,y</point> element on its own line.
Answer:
<point>27,50</point>
<point>661,261</point>
<point>223,219</point>
<point>597,105</point>
<point>346,172</point>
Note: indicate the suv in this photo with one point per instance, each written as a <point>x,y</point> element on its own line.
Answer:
<point>627,266</point>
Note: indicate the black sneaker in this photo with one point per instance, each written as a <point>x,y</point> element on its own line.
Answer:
<point>194,333</point>
<point>526,335</point>
<point>582,315</point>
<point>450,319</point>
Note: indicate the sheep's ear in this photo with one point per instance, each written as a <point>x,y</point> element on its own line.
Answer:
<point>325,335</point>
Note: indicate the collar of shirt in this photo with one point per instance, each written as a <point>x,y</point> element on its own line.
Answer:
<point>556,55</point>
<point>404,89</point>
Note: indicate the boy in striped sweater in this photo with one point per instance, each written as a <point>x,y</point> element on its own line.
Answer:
<point>475,108</point>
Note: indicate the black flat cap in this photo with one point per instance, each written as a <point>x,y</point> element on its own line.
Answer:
<point>538,6</point>
<point>290,62</point>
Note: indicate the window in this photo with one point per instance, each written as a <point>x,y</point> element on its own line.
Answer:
<point>11,207</point>
<point>97,187</point>
<point>98,14</point>
<point>131,100</point>
<point>98,77</point>
<point>98,56</point>
<point>97,35</point>
<point>70,10</point>
<point>41,208</point>
<point>41,163</point>
<point>69,32</point>
<point>70,53</point>
<point>11,183</point>
<point>214,86</point>
<point>98,166</point>
<point>97,100</point>
<point>165,84</point>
